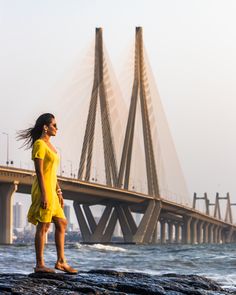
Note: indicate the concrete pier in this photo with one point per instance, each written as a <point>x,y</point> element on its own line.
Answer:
<point>7,191</point>
<point>186,236</point>
<point>205,232</point>
<point>177,233</point>
<point>163,232</point>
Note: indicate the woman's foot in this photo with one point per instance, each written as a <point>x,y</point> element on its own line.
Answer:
<point>63,266</point>
<point>40,269</point>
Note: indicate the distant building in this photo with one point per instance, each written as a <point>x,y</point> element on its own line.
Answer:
<point>29,227</point>
<point>68,217</point>
<point>67,212</point>
<point>18,215</point>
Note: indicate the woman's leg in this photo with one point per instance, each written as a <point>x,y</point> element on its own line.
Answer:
<point>40,235</point>
<point>60,228</point>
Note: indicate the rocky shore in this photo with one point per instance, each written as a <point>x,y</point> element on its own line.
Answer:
<point>108,282</point>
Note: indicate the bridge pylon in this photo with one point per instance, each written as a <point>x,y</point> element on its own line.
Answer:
<point>217,212</point>
<point>98,97</point>
<point>139,91</point>
<point>217,208</point>
<point>157,213</point>
<point>102,231</point>
<point>206,200</point>
<point>228,212</point>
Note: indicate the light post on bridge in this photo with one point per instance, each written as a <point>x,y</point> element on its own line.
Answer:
<point>71,169</point>
<point>131,184</point>
<point>8,161</point>
<point>94,174</point>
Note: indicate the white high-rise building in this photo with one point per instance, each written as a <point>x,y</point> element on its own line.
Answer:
<point>67,212</point>
<point>17,215</point>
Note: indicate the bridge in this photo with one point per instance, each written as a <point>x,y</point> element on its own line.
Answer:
<point>177,220</point>
<point>185,224</point>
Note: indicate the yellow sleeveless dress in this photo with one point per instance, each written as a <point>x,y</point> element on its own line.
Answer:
<point>50,164</point>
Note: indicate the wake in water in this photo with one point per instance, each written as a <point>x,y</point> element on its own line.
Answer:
<point>99,247</point>
<point>107,248</point>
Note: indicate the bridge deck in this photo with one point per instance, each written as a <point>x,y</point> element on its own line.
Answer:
<point>93,193</point>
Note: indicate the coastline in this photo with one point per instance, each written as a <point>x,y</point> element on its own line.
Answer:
<point>105,282</point>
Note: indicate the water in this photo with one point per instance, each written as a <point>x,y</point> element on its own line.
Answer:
<point>213,261</point>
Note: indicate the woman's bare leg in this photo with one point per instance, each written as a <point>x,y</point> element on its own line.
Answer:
<point>60,228</point>
<point>40,235</point>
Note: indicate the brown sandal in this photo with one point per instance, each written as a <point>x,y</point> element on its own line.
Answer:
<point>65,268</point>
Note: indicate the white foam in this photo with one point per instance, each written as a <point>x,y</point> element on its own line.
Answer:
<point>227,281</point>
<point>107,248</point>
<point>78,245</point>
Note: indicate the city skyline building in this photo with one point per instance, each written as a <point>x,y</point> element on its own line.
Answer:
<point>67,212</point>
<point>68,217</point>
<point>18,215</point>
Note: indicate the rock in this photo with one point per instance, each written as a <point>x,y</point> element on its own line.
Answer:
<point>108,282</point>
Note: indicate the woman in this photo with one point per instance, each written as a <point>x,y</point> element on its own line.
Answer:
<point>47,201</point>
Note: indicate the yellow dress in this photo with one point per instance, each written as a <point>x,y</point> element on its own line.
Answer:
<point>50,164</point>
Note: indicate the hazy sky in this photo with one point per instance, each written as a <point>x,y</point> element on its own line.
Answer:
<point>192,50</point>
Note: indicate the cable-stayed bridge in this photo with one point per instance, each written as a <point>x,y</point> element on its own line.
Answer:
<point>144,152</point>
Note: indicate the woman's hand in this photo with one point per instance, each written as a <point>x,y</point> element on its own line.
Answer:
<point>44,201</point>
<point>61,200</point>
<point>60,196</point>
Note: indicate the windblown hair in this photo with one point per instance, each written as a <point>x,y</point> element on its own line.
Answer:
<point>31,134</point>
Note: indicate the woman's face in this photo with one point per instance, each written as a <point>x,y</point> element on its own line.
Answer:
<point>52,128</point>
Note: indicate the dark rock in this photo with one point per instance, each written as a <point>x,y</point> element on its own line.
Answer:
<point>4,287</point>
<point>108,282</point>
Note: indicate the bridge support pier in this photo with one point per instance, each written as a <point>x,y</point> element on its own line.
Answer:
<point>7,191</point>
<point>194,231</point>
<point>102,231</point>
<point>170,232</point>
<point>233,238</point>
<point>215,234</point>
<point>220,235</point>
<point>229,235</point>
<point>163,232</point>
<point>186,232</point>
<point>200,232</point>
<point>92,232</point>
<point>84,229</point>
<point>177,233</point>
<point>154,236</point>
<point>144,232</point>
<point>223,236</point>
<point>205,232</point>
<point>210,233</point>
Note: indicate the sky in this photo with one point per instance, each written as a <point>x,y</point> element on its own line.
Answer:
<point>191,47</point>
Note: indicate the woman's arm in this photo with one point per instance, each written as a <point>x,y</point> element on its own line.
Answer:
<point>57,186</point>
<point>38,163</point>
<point>59,194</point>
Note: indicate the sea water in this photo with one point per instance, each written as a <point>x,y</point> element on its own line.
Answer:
<point>217,261</point>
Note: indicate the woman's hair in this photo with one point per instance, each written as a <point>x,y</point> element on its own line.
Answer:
<point>30,135</point>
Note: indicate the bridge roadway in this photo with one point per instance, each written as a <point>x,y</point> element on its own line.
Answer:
<point>177,223</point>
